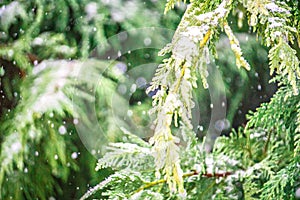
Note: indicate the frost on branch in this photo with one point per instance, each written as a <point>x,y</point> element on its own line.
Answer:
<point>250,159</point>
<point>277,32</point>
<point>235,46</point>
<point>176,78</point>
<point>171,3</point>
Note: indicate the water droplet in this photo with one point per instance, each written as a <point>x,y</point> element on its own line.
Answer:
<point>221,125</point>
<point>259,87</point>
<point>147,41</point>
<point>120,68</point>
<point>16,147</point>
<point>200,128</point>
<point>141,82</point>
<point>10,53</point>
<point>119,53</point>
<point>62,130</point>
<point>75,121</point>
<point>133,88</point>
<point>74,155</point>
<point>122,89</point>
<point>206,86</point>
<point>50,115</point>
<point>147,55</point>
<point>2,71</point>
<point>129,113</point>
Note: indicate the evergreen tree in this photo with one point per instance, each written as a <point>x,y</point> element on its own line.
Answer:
<point>43,46</point>
<point>258,161</point>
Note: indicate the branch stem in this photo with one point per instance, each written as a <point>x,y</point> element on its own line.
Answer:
<point>188,174</point>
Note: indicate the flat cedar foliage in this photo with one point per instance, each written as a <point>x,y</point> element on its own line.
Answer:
<point>45,44</point>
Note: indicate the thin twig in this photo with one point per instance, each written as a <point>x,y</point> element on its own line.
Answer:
<point>180,78</point>
<point>265,151</point>
<point>193,173</point>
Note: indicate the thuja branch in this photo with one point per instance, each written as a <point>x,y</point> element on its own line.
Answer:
<point>176,78</point>
<point>188,174</point>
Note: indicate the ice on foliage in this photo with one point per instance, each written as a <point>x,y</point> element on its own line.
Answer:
<point>9,13</point>
<point>275,22</point>
<point>91,10</point>
<point>185,49</point>
<point>38,41</point>
<point>257,134</point>
<point>16,147</point>
<point>177,74</point>
<point>213,17</point>
<point>275,8</point>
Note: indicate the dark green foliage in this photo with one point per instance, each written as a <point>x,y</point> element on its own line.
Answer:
<point>36,159</point>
